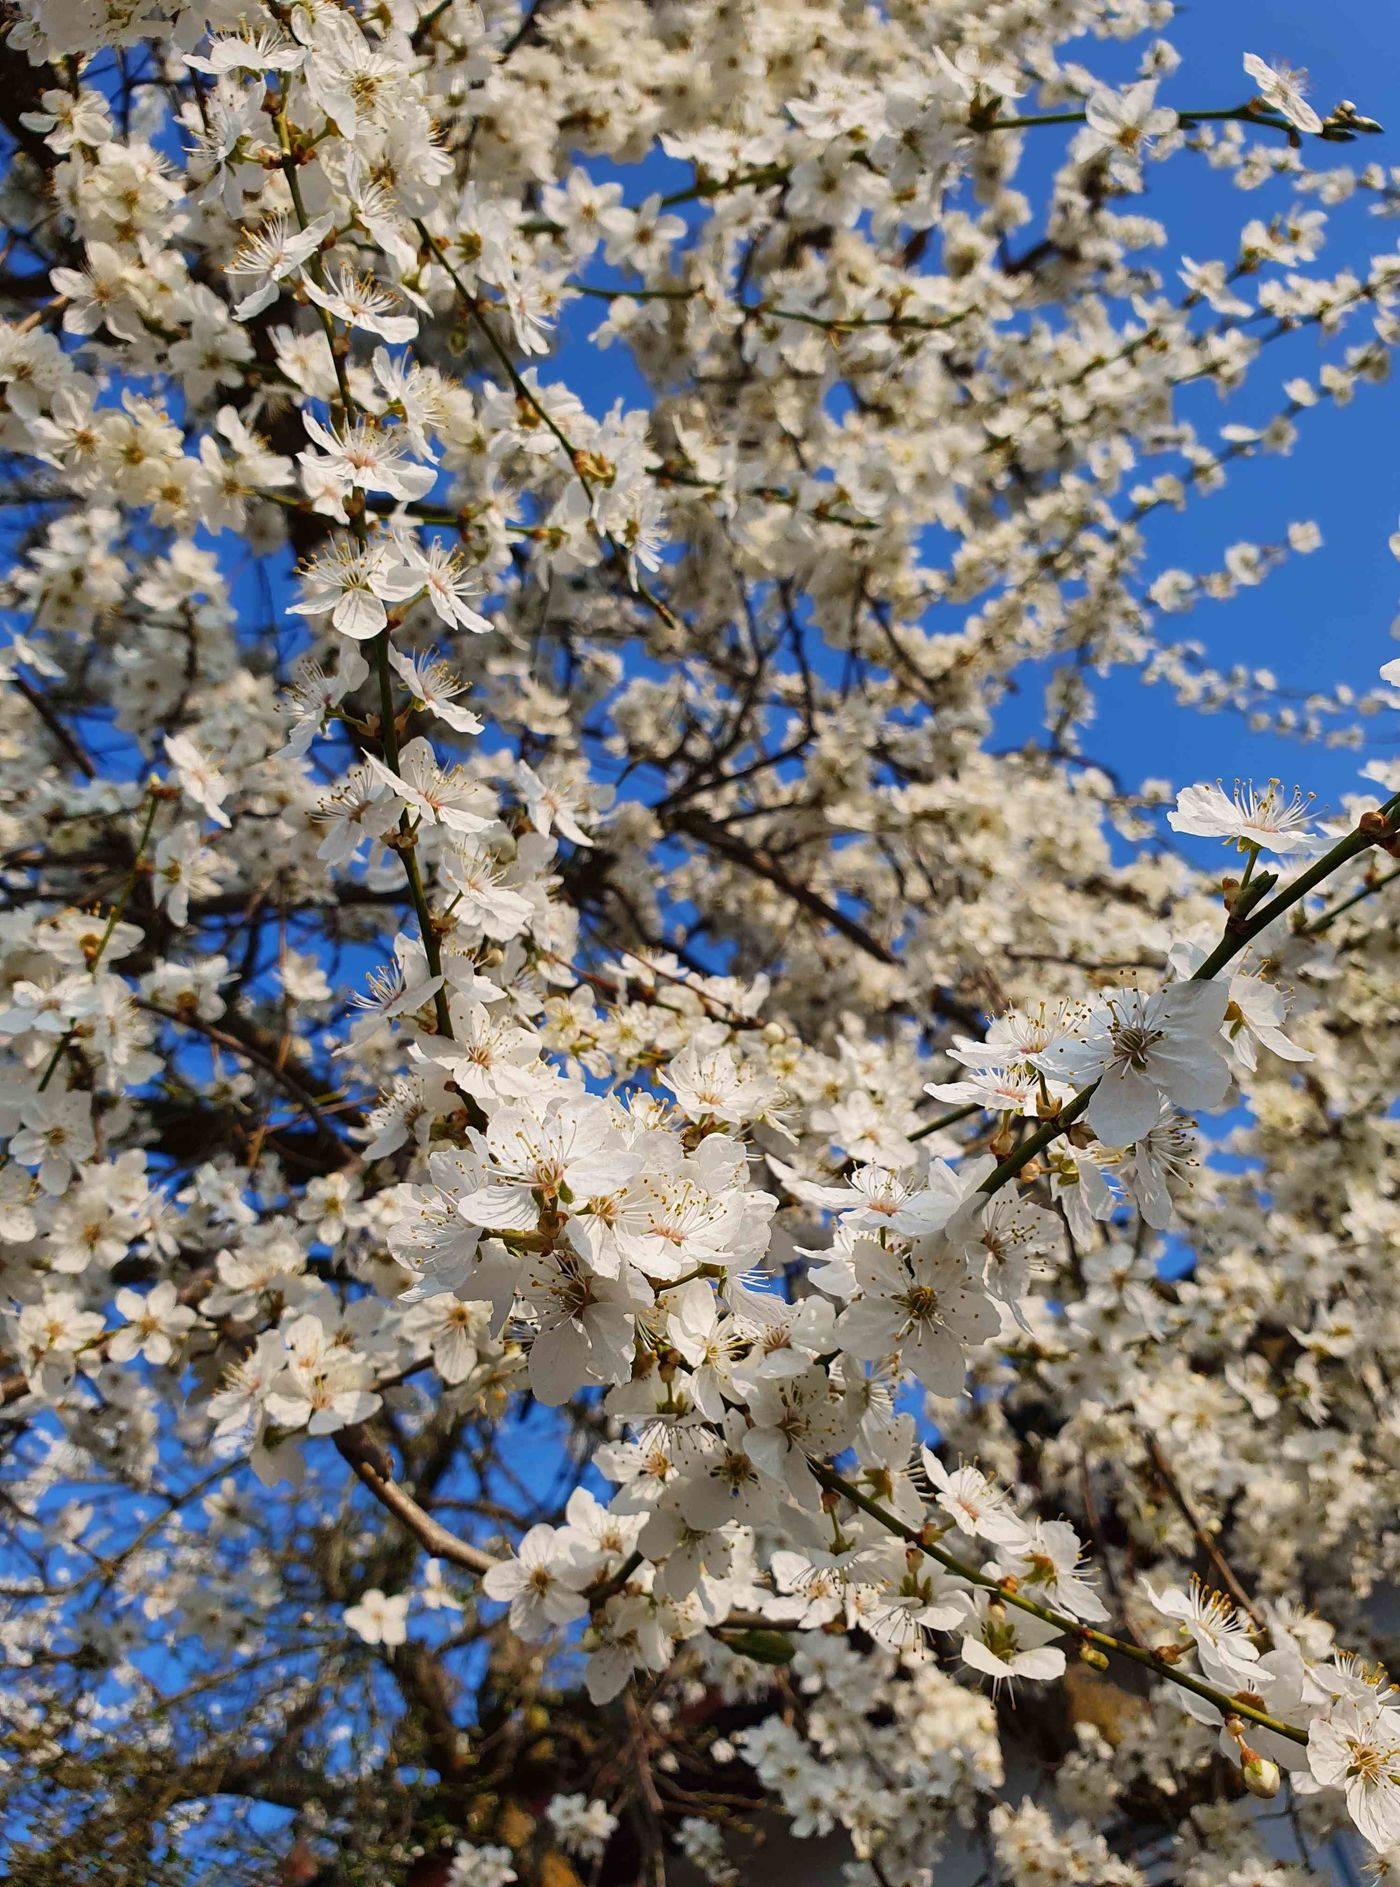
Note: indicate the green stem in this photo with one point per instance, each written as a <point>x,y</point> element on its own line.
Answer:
<point>1243,114</point>
<point>1319,924</point>
<point>837,324</point>
<point>716,186</point>
<point>1342,853</point>
<point>1041,1138</point>
<point>634,294</point>
<point>946,1120</point>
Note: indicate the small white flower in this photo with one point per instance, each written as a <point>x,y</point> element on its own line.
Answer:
<point>583,1827</point>
<point>268,256</point>
<point>480,1867</point>
<point>1141,1048</point>
<point>1005,1644</point>
<point>1281,87</point>
<point>447,583</point>
<point>1227,1655</point>
<point>265,50</point>
<point>972,1503</point>
<point>1120,127</point>
<point>354,585</point>
<point>434,1592</point>
<point>199,780</point>
<point>360,302</point>
<point>434,686</point>
<point>1265,821</point>
<point>550,805</point>
<point>442,796</point>
<point>542,1585</point>
<point>1356,1748</point>
<point>155,1324</point>
<point>925,1304</point>
<point>378,1619</point>
<point>56,1137</point>
<point>1046,1565</point>
<point>363,457</point>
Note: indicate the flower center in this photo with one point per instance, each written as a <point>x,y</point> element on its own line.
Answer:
<point>1133,1042</point>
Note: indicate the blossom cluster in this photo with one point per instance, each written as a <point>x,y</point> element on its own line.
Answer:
<point>794,1103</point>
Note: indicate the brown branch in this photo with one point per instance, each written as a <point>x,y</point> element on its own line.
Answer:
<point>375,1470</point>
<point>238,1044</point>
<point>1181,1502</point>
<point>715,837</point>
<point>48,714</point>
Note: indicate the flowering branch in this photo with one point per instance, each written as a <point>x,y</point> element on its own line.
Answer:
<point>1224,1701</point>
<point>1240,930</point>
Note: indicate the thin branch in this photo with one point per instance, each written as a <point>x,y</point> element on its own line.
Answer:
<point>48,714</point>
<point>250,1052</point>
<point>1188,1513</point>
<point>374,1470</point>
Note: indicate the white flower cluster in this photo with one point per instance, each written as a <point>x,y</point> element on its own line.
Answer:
<point>765,1077</point>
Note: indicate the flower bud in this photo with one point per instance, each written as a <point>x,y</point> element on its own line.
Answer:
<point>1261,1777</point>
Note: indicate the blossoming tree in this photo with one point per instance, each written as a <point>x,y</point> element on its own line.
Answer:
<point>589,1161</point>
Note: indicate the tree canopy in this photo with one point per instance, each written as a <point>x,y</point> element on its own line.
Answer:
<point>623,1225</point>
